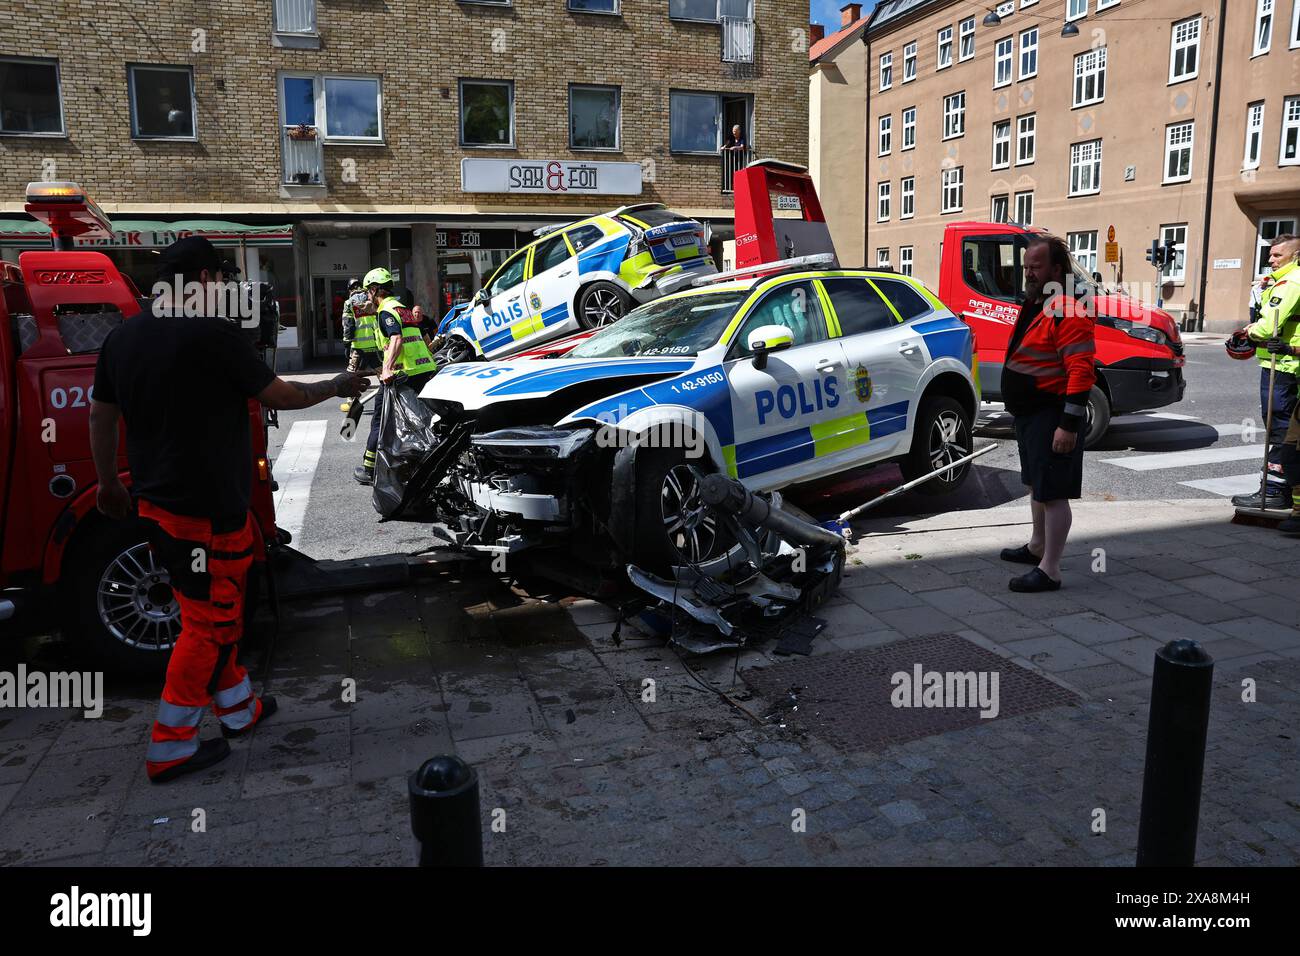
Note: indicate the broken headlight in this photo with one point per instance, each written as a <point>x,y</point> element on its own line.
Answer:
<point>532,444</point>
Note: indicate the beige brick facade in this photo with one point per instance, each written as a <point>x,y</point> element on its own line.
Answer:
<point>420,50</point>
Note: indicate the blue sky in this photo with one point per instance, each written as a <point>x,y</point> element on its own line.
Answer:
<point>828,12</point>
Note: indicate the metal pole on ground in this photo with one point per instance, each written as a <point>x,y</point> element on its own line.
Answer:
<point>445,813</point>
<point>1171,784</point>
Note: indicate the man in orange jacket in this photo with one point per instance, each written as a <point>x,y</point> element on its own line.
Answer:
<point>1048,374</point>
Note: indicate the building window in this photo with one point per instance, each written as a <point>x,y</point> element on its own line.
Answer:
<point>886,71</point>
<point>1084,247</point>
<point>162,102</point>
<point>1175,271</point>
<point>1178,152</point>
<point>1255,131</point>
<point>594,117</point>
<point>1290,152</point>
<point>594,6</point>
<point>886,135</point>
<point>693,10</point>
<point>909,62</point>
<point>695,122</point>
<point>1085,168</point>
<point>487,113</point>
<point>1090,77</point>
<point>1002,56</point>
<point>1001,209</point>
<point>953,187</point>
<point>1105,4</point>
<point>1002,144</point>
<point>945,48</point>
<point>909,128</point>
<point>1295,25</point>
<point>966,35</point>
<point>908,201</point>
<point>295,16</point>
<point>1185,50</point>
<point>30,99</point>
<point>1263,27</point>
<point>1075,9</point>
<point>883,191</point>
<point>954,115</point>
<point>905,260</point>
<point>1025,208</point>
<point>1029,54</point>
<point>1270,229</point>
<point>882,258</point>
<point>1026,138</point>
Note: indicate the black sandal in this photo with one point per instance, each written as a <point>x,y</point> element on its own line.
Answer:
<point>1035,580</point>
<point>1020,555</point>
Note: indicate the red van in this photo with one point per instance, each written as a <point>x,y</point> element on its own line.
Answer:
<point>1139,351</point>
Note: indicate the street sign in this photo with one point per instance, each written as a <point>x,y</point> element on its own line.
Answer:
<point>1110,236</point>
<point>1112,250</point>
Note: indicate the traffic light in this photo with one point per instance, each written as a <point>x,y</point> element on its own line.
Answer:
<point>1171,251</point>
<point>1156,254</point>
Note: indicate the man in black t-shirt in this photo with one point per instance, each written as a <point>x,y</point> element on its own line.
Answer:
<point>182,384</point>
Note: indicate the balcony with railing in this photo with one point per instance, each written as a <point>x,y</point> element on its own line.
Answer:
<point>733,159</point>
<point>295,24</point>
<point>737,39</point>
<point>304,160</point>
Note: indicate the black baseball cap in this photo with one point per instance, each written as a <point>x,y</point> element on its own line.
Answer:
<point>189,256</point>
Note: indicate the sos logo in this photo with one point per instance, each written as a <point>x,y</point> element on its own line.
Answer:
<point>495,320</point>
<point>802,399</point>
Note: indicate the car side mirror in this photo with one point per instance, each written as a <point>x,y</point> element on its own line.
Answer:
<point>765,340</point>
<point>480,296</point>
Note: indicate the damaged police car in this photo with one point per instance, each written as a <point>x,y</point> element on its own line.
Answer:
<point>771,379</point>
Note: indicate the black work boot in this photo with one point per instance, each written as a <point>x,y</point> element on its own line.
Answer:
<point>210,752</point>
<point>1274,502</point>
<point>1291,525</point>
<point>364,475</point>
<point>269,707</point>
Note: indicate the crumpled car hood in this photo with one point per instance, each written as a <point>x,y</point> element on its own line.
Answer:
<point>475,385</point>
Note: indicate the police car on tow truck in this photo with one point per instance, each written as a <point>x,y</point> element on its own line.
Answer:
<point>774,375</point>
<point>581,276</point>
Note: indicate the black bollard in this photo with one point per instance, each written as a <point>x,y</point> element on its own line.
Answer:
<point>1171,784</point>
<point>445,813</point>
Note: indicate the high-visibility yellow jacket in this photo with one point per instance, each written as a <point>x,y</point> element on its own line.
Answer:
<point>1279,317</point>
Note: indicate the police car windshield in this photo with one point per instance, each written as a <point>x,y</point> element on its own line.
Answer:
<point>675,326</point>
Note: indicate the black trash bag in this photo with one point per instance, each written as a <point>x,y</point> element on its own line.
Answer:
<point>406,437</point>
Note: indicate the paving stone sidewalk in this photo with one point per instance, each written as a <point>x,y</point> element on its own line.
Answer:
<point>551,710</point>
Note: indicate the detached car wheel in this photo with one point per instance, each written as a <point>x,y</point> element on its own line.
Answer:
<point>942,436</point>
<point>601,304</point>
<point>1098,417</point>
<point>673,526</point>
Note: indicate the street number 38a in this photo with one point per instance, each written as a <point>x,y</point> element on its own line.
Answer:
<point>74,397</point>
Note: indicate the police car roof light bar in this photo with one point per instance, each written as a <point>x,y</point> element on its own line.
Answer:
<point>780,265</point>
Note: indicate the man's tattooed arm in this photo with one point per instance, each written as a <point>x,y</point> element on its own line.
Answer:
<point>283,394</point>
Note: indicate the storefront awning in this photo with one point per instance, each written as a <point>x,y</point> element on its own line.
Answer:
<point>151,234</point>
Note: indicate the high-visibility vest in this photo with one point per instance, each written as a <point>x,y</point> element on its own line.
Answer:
<point>367,334</point>
<point>1279,317</point>
<point>414,358</point>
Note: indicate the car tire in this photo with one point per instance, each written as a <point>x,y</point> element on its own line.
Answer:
<point>601,304</point>
<point>942,434</point>
<point>455,351</point>
<point>127,621</point>
<point>664,484</point>
<point>116,600</point>
<point>1098,417</point>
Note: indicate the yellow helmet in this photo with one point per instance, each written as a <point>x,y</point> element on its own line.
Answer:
<point>379,276</point>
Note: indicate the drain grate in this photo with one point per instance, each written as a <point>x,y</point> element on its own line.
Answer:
<point>846,698</point>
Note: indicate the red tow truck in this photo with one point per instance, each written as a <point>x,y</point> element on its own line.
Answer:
<point>1139,351</point>
<point>59,558</point>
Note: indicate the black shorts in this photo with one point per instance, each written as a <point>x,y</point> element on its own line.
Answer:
<point>1050,475</point>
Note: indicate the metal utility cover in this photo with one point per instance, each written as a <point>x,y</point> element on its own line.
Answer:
<point>846,698</point>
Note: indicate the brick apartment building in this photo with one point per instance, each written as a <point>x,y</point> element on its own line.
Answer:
<point>1169,119</point>
<point>322,137</point>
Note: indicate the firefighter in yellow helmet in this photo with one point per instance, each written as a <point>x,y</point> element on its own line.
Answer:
<point>404,352</point>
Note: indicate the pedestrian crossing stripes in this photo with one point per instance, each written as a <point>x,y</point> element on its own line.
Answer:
<point>1226,486</point>
<point>1182,459</point>
<point>295,467</point>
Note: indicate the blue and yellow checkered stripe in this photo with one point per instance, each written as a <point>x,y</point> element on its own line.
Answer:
<point>811,442</point>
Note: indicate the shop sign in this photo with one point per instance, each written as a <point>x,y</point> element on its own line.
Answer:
<point>550,176</point>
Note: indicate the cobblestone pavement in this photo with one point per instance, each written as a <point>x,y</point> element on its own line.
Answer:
<point>552,712</point>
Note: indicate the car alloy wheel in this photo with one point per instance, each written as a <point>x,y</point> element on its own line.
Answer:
<point>949,442</point>
<point>691,526</point>
<point>603,308</point>
<point>136,603</point>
